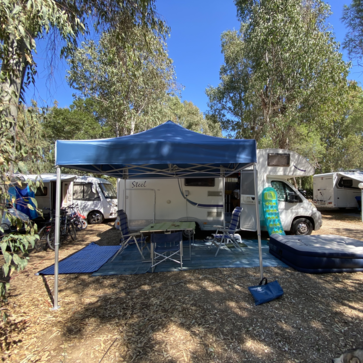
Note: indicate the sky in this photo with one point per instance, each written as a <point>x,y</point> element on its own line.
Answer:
<point>194,46</point>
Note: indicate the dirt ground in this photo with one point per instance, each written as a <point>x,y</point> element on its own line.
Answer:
<point>189,316</point>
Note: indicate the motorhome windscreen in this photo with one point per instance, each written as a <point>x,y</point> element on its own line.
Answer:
<point>108,191</point>
<point>199,182</point>
<point>278,160</point>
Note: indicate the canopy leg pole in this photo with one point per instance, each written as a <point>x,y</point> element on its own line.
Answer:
<point>224,202</point>
<point>258,223</point>
<point>125,195</point>
<point>56,244</point>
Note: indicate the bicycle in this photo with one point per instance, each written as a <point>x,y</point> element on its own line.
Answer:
<point>79,220</point>
<point>67,228</point>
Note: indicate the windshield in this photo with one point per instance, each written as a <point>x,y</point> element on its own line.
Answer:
<point>108,191</point>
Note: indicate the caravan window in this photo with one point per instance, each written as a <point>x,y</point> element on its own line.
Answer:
<point>247,183</point>
<point>346,183</point>
<point>199,182</point>
<point>278,160</point>
<point>84,192</point>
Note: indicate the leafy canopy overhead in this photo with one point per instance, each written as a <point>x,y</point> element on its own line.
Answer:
<point>128,82</point>
<point>353,19</point>
<point>282,71</point>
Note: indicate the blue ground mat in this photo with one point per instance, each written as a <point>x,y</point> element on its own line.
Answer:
<point>130,263</point>
<point>87,260</point>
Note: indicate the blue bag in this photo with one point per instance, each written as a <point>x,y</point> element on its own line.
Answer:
<point>265,292</point>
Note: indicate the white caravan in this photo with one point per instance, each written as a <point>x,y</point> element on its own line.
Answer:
<point>201,199</point>
<point>338,189</point>
<point>96,197</point>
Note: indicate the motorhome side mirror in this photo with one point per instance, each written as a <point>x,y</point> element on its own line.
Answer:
<point>291,197</point>
<point>360,185</point>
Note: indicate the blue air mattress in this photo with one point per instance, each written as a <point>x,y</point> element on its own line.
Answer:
<point>318,254</point>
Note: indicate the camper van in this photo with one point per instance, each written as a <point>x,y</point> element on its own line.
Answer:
<point>96,197</point>
<point>338,189</point>
<point>201,199</point>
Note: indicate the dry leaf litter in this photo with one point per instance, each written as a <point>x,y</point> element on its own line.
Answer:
<point>190,316</point>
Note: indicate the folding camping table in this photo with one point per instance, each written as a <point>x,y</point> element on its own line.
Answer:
<point>173,227</point>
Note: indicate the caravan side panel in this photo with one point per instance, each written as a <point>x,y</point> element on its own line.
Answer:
<point>157,200</point>
<point>323,190</point>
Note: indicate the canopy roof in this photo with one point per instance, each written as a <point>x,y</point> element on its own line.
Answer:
<point>167,150</point>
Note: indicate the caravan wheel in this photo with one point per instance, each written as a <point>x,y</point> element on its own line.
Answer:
<point>95,217</point>
<point>302,226</point>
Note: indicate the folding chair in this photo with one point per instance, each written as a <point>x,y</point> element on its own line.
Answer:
<point>128,238</point>
<point>223,236</point>
<point>166,247</point>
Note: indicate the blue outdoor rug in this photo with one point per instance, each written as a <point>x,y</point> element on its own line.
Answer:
<point>130,263</point>
<point>87,260</point>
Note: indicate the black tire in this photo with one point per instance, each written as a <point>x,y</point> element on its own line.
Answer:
<point>41,242</point>
<point>72,231</point>
<point>301,226</point>
<point>95,217</point>
<point>51,238</point>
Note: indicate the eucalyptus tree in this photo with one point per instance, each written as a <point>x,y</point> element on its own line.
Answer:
<point>353,19</point>
<point>343,137</point>
<point>129,82</point>
<point>189,116</point>
<point>282,71</point>
<point>22,24</point>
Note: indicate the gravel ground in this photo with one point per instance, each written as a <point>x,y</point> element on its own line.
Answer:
<point>189,316</point>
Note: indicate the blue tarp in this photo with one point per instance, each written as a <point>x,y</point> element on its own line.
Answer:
<point>167,150</point>
<point>87,260</point>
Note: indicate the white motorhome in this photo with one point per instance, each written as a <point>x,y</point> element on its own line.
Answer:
<point>201,199</point>
<point>96,197</point>
<point>337,189</point>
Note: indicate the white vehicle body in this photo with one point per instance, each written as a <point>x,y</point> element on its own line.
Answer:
<point>96,197</point>
<point>337,190</point>
<point>201,200</point>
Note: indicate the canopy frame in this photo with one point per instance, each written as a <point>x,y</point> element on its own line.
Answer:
<point>176,140</point>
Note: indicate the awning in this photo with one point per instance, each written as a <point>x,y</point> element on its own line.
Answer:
<point>167,150</point>
<point>46,178</point>
<point>358,176</point>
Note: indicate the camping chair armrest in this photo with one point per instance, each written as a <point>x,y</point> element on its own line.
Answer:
<point>127,236</point>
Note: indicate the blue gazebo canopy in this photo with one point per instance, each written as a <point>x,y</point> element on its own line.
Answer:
<point>167,150</point>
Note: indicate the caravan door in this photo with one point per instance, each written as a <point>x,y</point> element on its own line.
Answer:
<point>248,214</point>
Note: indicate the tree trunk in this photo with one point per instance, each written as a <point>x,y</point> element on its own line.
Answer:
<point>14,70</point>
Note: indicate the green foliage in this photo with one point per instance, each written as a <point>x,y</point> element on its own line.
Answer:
<point>353,19</point>
<point>21,24</point>
<point>343,137</point>
<point>189,116</point>
<point>127,83</point>
<point>283,74</point>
